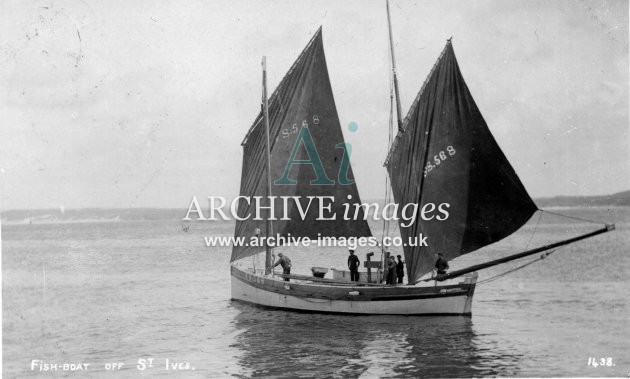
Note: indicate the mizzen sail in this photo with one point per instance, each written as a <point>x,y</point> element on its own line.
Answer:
<point>446,154</point>
<point>308,158</point>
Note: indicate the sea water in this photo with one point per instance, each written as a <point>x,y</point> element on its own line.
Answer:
<point>149,298</point>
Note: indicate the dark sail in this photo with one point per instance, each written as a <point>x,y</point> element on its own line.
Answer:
<point>308,158</point>
<point>446,154</point>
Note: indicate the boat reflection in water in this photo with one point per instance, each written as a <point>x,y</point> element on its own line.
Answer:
<point>273,343</point>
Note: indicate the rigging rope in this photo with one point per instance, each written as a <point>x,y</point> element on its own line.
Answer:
<point>534,232</point>
<point>572,217</point>
<point>499,276</point>
<point>544,255</point>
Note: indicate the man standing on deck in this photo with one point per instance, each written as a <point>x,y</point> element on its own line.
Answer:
<point>285,262</point>
<point>441,265</point>
<point>391,270</point>
<point>353,265</point>
<point>400,269</point>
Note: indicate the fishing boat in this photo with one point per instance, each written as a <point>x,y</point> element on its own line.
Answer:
<point>442,153</point>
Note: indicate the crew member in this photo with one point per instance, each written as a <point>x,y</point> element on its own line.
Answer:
<point>441,265</point>
<point>391,270</point>
<point>400,269</point>
<point>285,262</point>
<point>353,265</point>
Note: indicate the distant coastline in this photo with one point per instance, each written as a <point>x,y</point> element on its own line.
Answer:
<point>43,216</point>
<point>619,199</point>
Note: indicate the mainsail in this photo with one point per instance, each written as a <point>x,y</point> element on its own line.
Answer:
<point>446,154</point>
<point>308,158</point>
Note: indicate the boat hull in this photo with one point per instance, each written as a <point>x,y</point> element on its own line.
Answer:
<point>377,300</point>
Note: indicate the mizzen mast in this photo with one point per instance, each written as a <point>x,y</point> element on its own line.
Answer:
<point>268,225</point>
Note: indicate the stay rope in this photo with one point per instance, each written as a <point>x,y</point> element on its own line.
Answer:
<point>499,276</point>
<point>542,256</point>
<point>571,217</point>
<point>534,232</point>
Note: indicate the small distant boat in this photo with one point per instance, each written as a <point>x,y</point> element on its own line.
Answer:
<point>443,153</point>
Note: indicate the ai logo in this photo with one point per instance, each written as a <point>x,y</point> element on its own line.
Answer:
<point>306,139</point>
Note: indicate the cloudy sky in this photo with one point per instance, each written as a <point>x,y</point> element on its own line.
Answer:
<point>145,103</point>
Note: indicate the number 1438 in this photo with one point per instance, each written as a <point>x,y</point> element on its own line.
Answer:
<point>592,361</point>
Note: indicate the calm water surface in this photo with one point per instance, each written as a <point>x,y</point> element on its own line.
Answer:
<point>100,293</point>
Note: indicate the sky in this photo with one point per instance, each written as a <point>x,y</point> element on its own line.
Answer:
<point>145,103</point>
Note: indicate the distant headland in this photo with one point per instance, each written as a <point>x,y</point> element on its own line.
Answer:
<point>39,216</point>
<point>619,199</point>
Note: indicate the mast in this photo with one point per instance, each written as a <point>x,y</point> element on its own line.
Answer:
<point>391,46</point>
<point>495,262</point>
<point>268,225</point>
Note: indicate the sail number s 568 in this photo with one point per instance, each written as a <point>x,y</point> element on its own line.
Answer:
<point>438,159</point>
<point>293,129</point>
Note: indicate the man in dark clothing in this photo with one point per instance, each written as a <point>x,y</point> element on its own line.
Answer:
<point>400,269</point>
<point>285,262</point>
<point>391,270</point>
<point>441,265</point>
<point>353,265</point>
